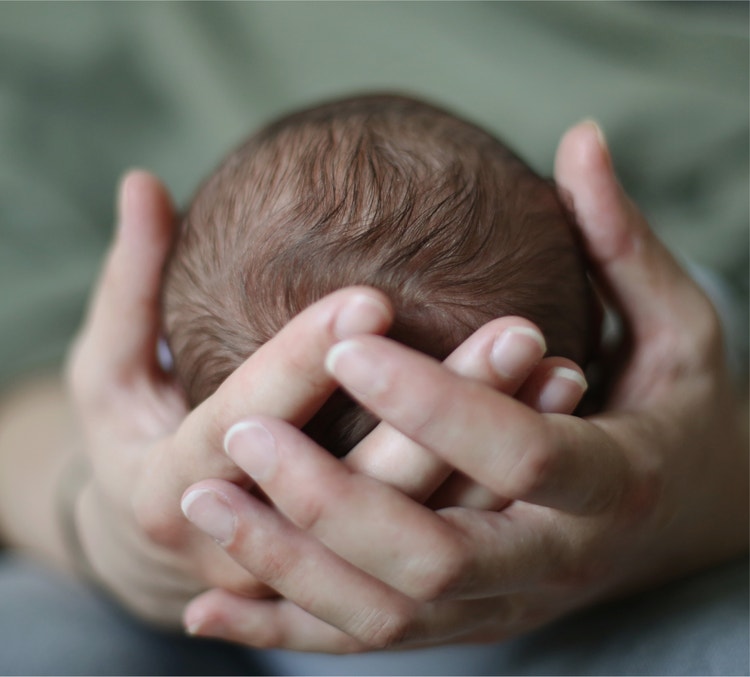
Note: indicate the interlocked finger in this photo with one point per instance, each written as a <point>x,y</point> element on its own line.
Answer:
<point>502,354</point>
<point>408,546</point>
<point>284,378</point>
<point>557,461</point>
<point>297,565</point>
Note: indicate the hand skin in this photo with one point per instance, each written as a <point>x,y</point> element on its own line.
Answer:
<point>119,409</point>
<point>651,489</point>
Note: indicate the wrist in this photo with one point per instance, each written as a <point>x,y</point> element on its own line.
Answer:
<point>38,437</point>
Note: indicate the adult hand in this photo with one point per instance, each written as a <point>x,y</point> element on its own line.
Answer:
<point>650,489</point>
<point>145,447</point>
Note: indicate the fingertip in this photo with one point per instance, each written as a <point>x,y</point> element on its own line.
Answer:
<point>252,446</point>
<point>639,273</point>
<point>516,351</point>
<point>583,148</point>
<point>136,178</point>
<point>355,366</point>
<point>562,392</point>
<point>143,200</point>
<point>195,620</point>
<point>212,512</point>
<point>572,375</point>
<point>603,213</point>
<point>193,629</point>
<point>366,310</point>
<point>556,387</point>
<point>594,141</point>
<point>129,181</point>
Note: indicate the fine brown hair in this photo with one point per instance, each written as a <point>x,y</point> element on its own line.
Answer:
<point>380,190</point>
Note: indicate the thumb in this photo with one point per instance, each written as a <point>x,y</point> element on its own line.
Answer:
<point>123,322</point>
<point>643,279</point>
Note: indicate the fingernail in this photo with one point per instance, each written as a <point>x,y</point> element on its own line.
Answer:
<point>194,621</point>
<point>515,350</point>
<point>361,315</point>
<point>211,513</point>
<point>354,367</point>
<point>600,136</point>
<point>563,391</point>
<point>253,448</point>
<point>194,628</point>
<point>598,129</point>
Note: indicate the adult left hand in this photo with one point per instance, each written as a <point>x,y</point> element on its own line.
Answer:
<point>600,506</point>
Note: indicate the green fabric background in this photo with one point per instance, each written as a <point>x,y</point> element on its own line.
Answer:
<point>88,90</point>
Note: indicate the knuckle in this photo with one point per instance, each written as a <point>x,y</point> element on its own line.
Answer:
<point>428,415</point>
<point>154,521</point>
<point>442,574</point>
<point>379,629</point>
<point>580,564</point>
<point>300,365</point>
<point>264,635</point>
<point>579,575</point>
<point>642,498</point>
<point>534,470</point>
<point>310,512</point>
<point>315,380</point>
<point>419,421</point>
<point>270,564</point>
<point>218,570</point>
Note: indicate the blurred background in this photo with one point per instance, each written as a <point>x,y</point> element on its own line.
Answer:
<point>88,90</point>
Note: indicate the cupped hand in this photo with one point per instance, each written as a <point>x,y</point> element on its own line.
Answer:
<point>650,489</point>
<point>144,446</point>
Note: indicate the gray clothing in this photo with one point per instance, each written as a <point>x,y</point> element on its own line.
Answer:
<point>699,626</point>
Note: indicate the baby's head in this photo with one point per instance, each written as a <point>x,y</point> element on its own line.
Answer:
<point>382,191</point>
